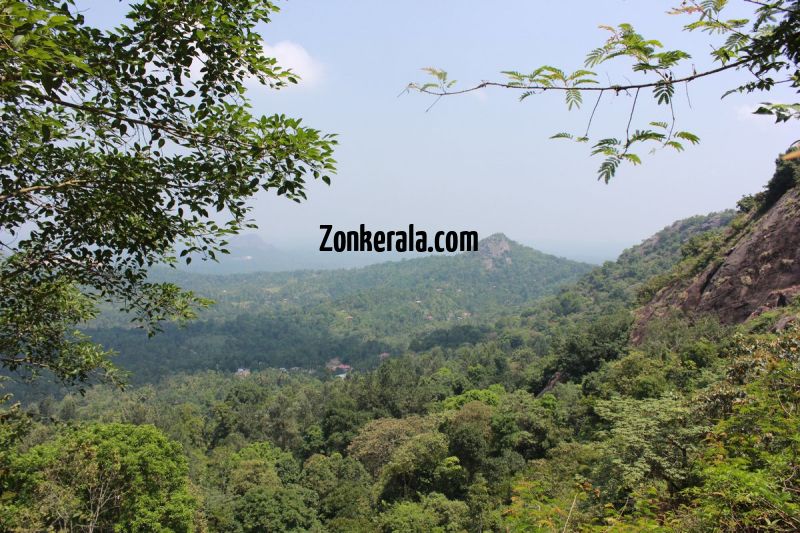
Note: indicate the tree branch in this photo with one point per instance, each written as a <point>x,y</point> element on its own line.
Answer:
<point>773,6</point>
<point>615,88</point>
<point>176,131</point>
<point>37,188</point>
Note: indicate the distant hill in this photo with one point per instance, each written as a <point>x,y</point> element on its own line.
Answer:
<point>305,318</point>
<point>249,253</point>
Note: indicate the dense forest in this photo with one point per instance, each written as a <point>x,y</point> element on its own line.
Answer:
<point>548,418</point>
<point>501,390</point>
<point>306,318</point>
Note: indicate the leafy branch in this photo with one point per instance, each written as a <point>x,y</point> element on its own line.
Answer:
<point>769,46</point>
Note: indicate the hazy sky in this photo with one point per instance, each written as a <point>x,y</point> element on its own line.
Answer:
<point>483,161</point>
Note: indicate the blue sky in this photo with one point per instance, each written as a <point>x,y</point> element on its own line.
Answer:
<point>483,161</point>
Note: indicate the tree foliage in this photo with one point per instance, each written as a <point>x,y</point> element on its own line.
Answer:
<point>101,477</point>
<point>117,149</point>
<point>765,45</point>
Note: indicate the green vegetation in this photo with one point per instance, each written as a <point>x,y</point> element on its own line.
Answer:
<point>539,420</point>
<point>115,147</point>
<point>303,319</point>
<point>765,46</point>
<point>504,390</point>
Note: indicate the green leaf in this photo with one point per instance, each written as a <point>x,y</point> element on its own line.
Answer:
<point>685,135</point>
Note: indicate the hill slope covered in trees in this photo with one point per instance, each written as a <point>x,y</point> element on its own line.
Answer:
<point>548,419</point>
<point>305,318</point>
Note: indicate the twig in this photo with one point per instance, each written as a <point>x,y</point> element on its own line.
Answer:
<point>591,117</point>
<point>434,103</point>
<point>689,100</point>
<point>566,522</point>
<point>672,126</point>
<point>630,119</point>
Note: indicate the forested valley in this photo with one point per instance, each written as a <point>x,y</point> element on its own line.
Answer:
<point>543,418</point>
<point>503,389</point>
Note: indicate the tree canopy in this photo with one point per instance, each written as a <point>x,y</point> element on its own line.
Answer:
<point>122,148</point>
<point>102,477</point>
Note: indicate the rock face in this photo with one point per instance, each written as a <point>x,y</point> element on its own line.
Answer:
<point>493,249</point>
<point>760,271</point>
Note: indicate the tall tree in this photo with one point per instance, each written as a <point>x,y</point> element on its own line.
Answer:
<point>116,148</point>
<point>113,477</point>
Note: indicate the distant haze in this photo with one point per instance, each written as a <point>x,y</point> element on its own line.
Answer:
<point>483,161</point>
<point>251,253</point>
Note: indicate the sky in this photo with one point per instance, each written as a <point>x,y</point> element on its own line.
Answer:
<point>483,161</point>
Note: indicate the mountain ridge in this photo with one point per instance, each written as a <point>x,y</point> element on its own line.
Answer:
<point>750,268</point>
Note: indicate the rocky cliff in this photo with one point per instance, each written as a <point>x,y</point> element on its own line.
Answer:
<point>755,268</point>
<point>495,249</point>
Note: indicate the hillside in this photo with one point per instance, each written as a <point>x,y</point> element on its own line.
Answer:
<point>621,283</point>
<point>488,421</point>
<point>305,318</point>
<point>500,271</point>
<point>751,267</point>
